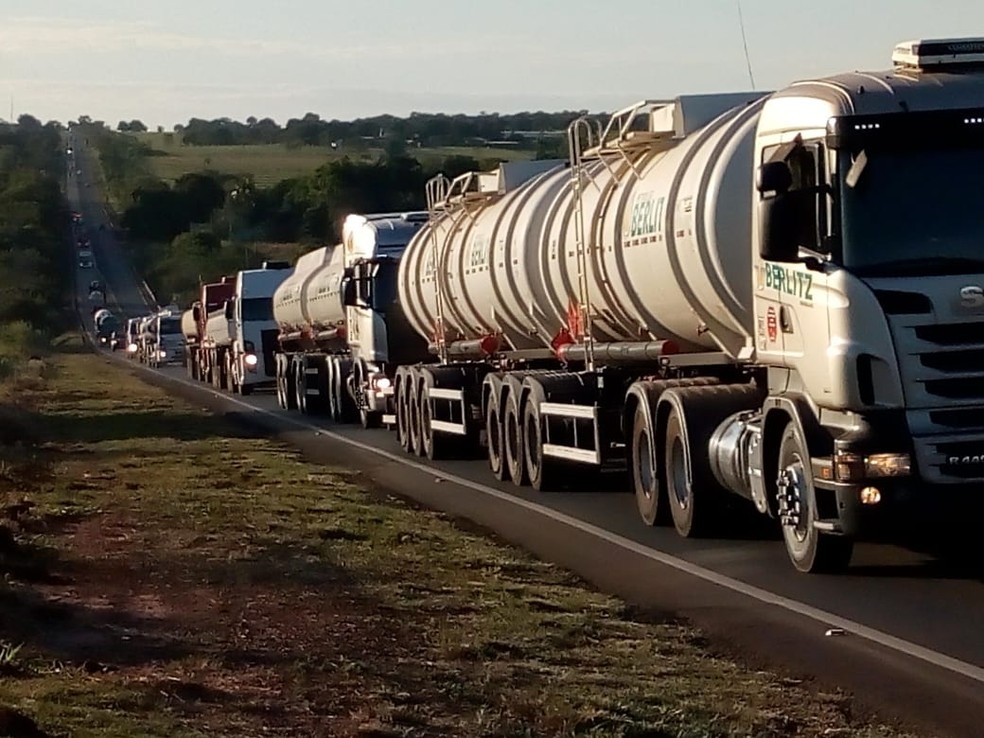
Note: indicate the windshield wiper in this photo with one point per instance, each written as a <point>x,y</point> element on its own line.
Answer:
<point>926,265</point>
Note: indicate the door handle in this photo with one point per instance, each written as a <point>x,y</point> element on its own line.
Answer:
<point>785,324</point>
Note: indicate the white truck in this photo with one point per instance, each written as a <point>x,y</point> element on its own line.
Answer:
<point>341,330</point>
<point>777,297</point>
<point>163,342</point>
<point>241,338</point>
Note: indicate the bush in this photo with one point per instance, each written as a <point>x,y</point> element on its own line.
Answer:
<point>19,340</point>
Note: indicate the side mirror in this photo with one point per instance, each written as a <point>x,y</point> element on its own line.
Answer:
<point>196,313</point>
<point>777,218</point>
<point>774,176</point>
<point>228,310</point>
<point>777,213</point>
<point>350,293</point>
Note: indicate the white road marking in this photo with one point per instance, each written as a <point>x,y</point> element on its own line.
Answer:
<point>830,620</point>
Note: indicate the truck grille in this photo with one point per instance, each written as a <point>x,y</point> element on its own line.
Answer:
<point>941,363</point>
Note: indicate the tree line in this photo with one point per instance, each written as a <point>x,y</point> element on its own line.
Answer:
<point>35,278</point>
<point>201,224</point>
<point>525,130</point>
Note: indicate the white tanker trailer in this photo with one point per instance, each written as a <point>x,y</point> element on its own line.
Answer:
<point>341,331</point>
<point>775,295</point>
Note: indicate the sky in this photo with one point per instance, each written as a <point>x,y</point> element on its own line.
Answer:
<point>165,62</point>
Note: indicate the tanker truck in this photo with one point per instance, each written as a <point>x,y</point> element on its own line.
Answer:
<point>212,297</point>
<point>341,331</point>
<point>240,338</point>
<point>768,301</point>
<point>106,324</point>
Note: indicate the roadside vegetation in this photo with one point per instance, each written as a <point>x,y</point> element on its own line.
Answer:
<point>34,278</point>
<point>252,196</point>
<point>170,574</point>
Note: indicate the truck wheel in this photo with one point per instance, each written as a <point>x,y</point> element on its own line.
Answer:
<point>433,445</point>
<point>402,412</point>
<point>300,382</point>
<point>369,419</point>
<point>690,487</point>
<point>512,436</point>
<point>281,384</point>
<point>413,405</point>
<point>290,395</point>
<point>493,432</point>
<point>810,550</point>
<point>545,473</point>
<point>645,479</point>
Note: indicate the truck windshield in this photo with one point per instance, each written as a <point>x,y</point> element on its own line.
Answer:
<point>258,308</point>
<point>170,326</point>
<point>915,212</point>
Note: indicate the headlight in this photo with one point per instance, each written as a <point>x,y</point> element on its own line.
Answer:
<point>250,360</point>
<point>850,467</point>
<point>381,382</point>
<point>132,348</point>
<point>162,354</point>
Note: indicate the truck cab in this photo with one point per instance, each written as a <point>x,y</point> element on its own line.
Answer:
<point>378,333</point>
<point>869,283</point>
<point>254,330</point>
<point>167,343</point>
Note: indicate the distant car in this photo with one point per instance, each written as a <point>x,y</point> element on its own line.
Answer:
<point>85,263</point>
<point>78,171</point>
<point>96,285</point>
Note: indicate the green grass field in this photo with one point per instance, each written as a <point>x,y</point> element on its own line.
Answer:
<point>166,573</point>
<point>271,163</point>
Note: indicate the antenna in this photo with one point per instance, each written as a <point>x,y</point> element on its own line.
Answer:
<point>744,42</point>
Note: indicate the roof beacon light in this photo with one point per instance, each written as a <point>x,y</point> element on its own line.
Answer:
<point>934,54</point>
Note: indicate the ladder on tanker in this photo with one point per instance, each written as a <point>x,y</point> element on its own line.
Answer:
<point>437,190</point>
<point>588,142</point>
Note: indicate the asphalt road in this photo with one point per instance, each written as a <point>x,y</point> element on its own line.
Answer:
<point>902,630</point>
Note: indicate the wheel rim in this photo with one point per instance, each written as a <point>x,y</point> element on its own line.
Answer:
<point>678,468</point>
<point>797,535</point>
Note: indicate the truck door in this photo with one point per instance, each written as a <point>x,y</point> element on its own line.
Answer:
<point>793,319</point>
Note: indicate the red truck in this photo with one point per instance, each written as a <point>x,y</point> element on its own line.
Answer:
<point>212,297</point>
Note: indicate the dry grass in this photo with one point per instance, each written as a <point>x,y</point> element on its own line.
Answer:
<point>190,579</point>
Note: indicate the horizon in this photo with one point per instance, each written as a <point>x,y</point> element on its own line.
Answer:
<point>237,58</point>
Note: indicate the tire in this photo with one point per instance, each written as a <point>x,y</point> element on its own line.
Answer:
<point>650,499</point>
<point>512,435</point>
<point>690,489</point>
<point>281,384</point>
<point>369,420</point>
<point>433,445</point>
<point>290,394</point>
<point>810,550</point>
<point>413,405</point>
<point>494,436</point>
<point>300,382</point>
<point>545,473</point>
<point>402,413</point>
